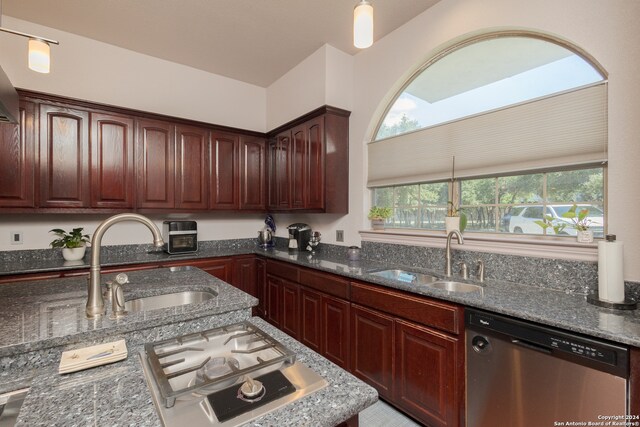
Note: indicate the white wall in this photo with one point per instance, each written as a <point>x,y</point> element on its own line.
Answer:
<point>323,78</point>
<point>35,228</point>
<point>87,69</point>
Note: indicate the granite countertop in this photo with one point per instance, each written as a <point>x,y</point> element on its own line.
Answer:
<point>562,309</point>
<point>48,313</point>
<point>566,310</point>
<point>117,395</point>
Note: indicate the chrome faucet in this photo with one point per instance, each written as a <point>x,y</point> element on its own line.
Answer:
<point>447,255</point>
<point>95,302</point>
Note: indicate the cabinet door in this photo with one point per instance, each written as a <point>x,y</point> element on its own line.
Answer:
<point>224,174</point>
<point>272,301</point>
<point>192,170</point>
<point>298,159</point>
<point>261,286</point>
<point>155,157</point>
<point>290,320</point>
<point>252,173</point>
<point>64,157</point>
<point>315,170</point>
<point>112,173</point>
<point>222,268</point>
<point>426,376</point>
<point>244,275</point>
<point>311,319</point>
<point>17,157</point>
<point>280,172</point>
<point>372,349</point>
<point>335,330</point>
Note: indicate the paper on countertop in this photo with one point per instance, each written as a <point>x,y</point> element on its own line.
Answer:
<point>88,357</point>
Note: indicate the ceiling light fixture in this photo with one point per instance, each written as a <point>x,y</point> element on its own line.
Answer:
<point>39,50</point>
<point>363,25</point>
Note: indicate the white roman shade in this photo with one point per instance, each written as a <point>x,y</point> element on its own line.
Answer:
<point>565,129</point>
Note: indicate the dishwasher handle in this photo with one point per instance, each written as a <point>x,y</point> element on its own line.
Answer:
<point>530,346</point>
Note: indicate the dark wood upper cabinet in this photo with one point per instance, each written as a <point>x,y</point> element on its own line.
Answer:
<point>223,171</point>
<point>70,155</point>
<point>192,171</point>
<point>155,157</point>
<point>280,172</point>
<point>300,154</point>
<point>18,154</point>
<point>299,163</point>
<point>252,173</point>
<point>64,157</point>
<point>315,169</point>
<point>112,161</point>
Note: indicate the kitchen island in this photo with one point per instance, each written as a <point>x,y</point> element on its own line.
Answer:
<point>45,318</point>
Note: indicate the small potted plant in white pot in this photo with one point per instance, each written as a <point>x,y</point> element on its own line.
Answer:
<point>378,215</point>
<point>578,220</point>
<point>455,220</point>
<point>73,244</point>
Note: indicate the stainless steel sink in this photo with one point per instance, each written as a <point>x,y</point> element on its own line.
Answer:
<point>406,276</point>
<point>451,286</point>
<point>168,300</point>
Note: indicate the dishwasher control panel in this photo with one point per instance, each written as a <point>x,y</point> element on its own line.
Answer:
<point>566,345</point>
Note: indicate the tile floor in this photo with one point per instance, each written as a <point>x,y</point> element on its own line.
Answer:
<point>383,415</point>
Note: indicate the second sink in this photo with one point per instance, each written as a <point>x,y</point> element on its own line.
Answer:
<point>406,276</point>
<point>168,300</point>
<point>451,286</point>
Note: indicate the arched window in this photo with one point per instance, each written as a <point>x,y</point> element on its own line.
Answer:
<point>525,116</point>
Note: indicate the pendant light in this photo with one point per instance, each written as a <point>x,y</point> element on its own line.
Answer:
<point>363,25</point>
<point>39,50</point>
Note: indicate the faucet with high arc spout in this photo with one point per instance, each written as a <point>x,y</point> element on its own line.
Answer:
<point>447,253</point>
<point>95,302</point>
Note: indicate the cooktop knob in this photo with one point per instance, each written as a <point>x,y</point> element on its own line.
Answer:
<point>251,388</point>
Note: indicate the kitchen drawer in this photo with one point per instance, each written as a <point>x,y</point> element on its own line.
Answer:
<point>446,317</point>
<point>281,269</point>
<point>326,283</point>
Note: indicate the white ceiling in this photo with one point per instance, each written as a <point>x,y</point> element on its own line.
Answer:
<point>255,41</point>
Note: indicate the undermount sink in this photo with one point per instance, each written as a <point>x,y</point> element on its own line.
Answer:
<point>168,300</point>
<point>451,286</point>
<point>406,276</point>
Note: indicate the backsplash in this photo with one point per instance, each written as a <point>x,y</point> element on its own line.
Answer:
<point>565,275</point>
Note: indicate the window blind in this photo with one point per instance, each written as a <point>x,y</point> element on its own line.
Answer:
<point>565,129</point>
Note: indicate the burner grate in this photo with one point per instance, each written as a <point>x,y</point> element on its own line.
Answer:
<point>197,349</point>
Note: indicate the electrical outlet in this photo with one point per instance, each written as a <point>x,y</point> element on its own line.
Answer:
<point>16,237</point>
<point>339,235</point>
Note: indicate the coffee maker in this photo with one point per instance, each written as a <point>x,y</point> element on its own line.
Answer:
<point>299,236</point>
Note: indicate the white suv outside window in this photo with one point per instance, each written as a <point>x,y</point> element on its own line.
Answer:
<point>523,219</point>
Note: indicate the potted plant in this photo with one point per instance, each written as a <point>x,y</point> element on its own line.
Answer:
<point>455,220</point>
<point>73,244</point>
<point>378,215</point>
<point>578,220</point>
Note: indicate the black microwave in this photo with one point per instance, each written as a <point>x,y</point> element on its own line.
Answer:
<point>180,236</point>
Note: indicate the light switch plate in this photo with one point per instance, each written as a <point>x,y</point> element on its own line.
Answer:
<point>339,235</point>
<point>16,237</point>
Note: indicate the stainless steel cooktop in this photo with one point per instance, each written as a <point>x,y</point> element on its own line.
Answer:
<point>188,373</point>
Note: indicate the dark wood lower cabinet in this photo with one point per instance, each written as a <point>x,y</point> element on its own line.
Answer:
<point>290,320</point>
<point>372,349</point>
<point>427,374</point>
<point>310,319</point>
<point>336,330</point>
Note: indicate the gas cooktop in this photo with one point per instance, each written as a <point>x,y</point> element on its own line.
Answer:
<point>223,377</point>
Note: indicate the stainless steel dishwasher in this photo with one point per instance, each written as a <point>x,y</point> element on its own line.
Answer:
<point>522,374</point>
